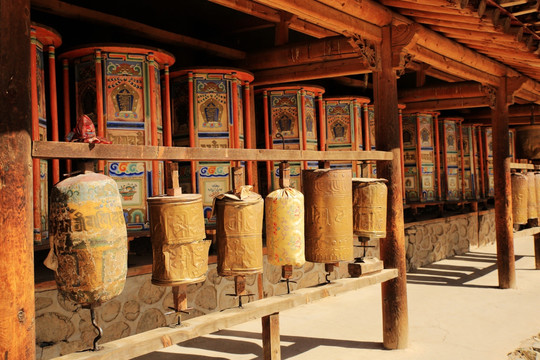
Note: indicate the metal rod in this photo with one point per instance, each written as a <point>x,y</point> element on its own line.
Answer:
<point>100,331</point>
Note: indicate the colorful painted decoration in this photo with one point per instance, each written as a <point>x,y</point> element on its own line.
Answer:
<point>124,82</point>
<point>489,182</point>
<point>450,155</point>
<point>214,118</point>
<point>471,162</point>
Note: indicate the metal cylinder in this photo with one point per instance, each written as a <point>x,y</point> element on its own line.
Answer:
<point>89,238</point>
<point>177,231</point>
<point>329,220</point>
<point>369,207</point>
<point>239,233</point>
<point>284,209</point>
<point>520,194</point>
<point>532,211</point>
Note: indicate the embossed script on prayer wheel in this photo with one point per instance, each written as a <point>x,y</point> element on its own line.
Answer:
<point>89,248</point>
<point>532,211</point>
<point>239,232</point>
<point>520,192</point>
<point>284,210</point>
<point>177,229</point>
<point>329,220</point>
<point>369,207</point>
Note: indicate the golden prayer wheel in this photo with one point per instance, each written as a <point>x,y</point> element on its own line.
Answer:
<point>89,239</point>
<point>284,210</point>
<point>239,219</point>
<point>177,230</point>
<point>329,219</point>
<point>369,207</point>
<point>520,192</point>
<point>532,211</point>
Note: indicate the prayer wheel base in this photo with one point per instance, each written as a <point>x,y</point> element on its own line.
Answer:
<point>368,266</point>
<point>159,282</point>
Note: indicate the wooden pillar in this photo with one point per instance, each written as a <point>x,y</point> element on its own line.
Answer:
<point>303,122</point>
<point>267,140</point>
<point>503,191</point>
<point>270,337</point>
<point>322,124</point>
<point>247,130</point>
<point>36,174</point>
<point>401,152</point>
<point>153,121</point>
<point>17,326</point>
<point>481,153</point>
<point>54,110</point>
<point>99,103</point>
<point>438,156</point>
<point>167,126</point>
<point>394,292</point>
<point>537,251</point>
<point>462,162</point>
<point>191,126</point>
<point>67,110</point>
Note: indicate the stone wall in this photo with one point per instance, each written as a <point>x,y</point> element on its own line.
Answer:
<point>63,327</point>
<point>486,228</point>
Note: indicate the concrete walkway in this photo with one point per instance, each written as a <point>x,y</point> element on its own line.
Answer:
<point>456,312</point>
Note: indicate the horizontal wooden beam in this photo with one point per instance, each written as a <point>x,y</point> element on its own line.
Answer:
<point>512,120</point>
<point>79,13</point>
<point>513,111</point>
<point>447,104</point>
<point>520,166</point>
<point>459,90</point>
<point>369,11</point>
<point>267,13</point>
<point>328,17</point>
<point>65,150</point>
<point>333,48</point>
<point>153,340</point>
<point>415,5</point>
<point>320,70</point>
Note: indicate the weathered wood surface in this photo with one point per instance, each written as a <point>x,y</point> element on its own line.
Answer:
<point>521,166</point>
<point>394,292</point>
<point>153,340</point>
<point>448,104</point>
<point>506,263</point>
<point>17,324</point>
<point>270,337</point>
<point>63,150</point>
<point>64,9</point>
<point>460,90</point>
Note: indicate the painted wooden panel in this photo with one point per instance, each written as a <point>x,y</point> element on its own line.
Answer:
<point>450,151</point>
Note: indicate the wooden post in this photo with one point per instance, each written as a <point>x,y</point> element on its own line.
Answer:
<point>303,122</point>
<point>267,140</point>
<point>402,152</point>
<point>17,332</point>
<point>36,175</point>
<point>418,156</point>
<point>236,125</point>
<point>191,126</point>
<point>99,102</point>
<point>438,156</point>
<point>503,191</point>
<point>167,126</point>
<point>153,122</point>
<point>322,123</point>
<point>481,160</point>
<point>67,110</point>
<point>54,111</point>
<point>247,130</point>
<point>394,292</point>
<point>462,152</point>
<point>537,251</point>
<point>270,337</point>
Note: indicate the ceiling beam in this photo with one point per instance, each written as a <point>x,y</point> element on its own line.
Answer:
<point>447,104</point>
<point>460,90</point>
<point>369,11</point>
<point>328,17</point>
<point>66,10</point>
<point>272,15</point>
<point>513,111</point>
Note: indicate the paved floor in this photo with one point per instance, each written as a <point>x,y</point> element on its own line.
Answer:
<point>456,312</point>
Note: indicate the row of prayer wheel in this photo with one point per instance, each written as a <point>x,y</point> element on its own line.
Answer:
<point>525,197</point>
<point>89,249</point>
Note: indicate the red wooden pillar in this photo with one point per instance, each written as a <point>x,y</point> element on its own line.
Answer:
<point>462,154</point>
<point>35,137</point>
<point>247,130</point>
<point>54,111</point>
<point>481,152</point>
<point>394,292</point>
<point>236,125</point>
<point>267,140</point>
<point>153,122</point>
<point>322,124</point>
<point>503,193</point>
<point>191,125</point>
<point>167,126</point>
<point>99,103</point>
<point>303,120</point>
<point>401,150</point>
<point>437,156</point>
<point>67,110</point>
<point>17,326</point>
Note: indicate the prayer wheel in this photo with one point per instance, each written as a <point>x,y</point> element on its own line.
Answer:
<point>470,161</point>
<point>532,211</point>
<point>284,210</point>
<point>420,157</point>
<point>290,116</point>
<point>450,153</point>
<point>89,239</point>
<point>520,194</point>
<point>487,141</point>
<point>118,87</point>
<point>329,215</point>
<point>210,110</point>
<point>528,142</point>
<point>239,219</point>
<point>43,40</point>
<point>344,127</point>
<point>177,232</point>
<point>369,207</point>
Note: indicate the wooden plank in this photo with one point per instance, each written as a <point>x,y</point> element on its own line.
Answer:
<point>521,166</point>
<point>447,104</point>
<point>370,11</point>
<point>17,323</point>
<point>463,89</point>
<point>63,150</point>
<point>388,137</point>
<point>270,337</point>
<point>144,343</point>
<point>60,8</point>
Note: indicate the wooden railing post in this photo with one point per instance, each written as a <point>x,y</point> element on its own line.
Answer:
<point>17,324</point>
<point>394,292</point>
<point>503,193</point>
<point>270,337</point>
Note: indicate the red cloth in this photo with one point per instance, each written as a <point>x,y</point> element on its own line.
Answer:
<point>85,131</point>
